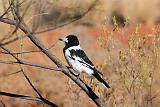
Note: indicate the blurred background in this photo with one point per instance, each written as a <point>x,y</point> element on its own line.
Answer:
<point>120,37</point>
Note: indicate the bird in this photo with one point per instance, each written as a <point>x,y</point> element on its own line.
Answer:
<point>78,60</point>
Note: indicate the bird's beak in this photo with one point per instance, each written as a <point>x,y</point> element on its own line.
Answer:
<point>64,39</point>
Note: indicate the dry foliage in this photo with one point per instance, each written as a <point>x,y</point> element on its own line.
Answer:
<point>132,70</point>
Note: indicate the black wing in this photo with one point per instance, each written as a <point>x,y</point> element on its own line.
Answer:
<point>80,56</point>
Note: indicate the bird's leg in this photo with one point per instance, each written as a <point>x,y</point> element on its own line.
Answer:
<point>75,75</point>
<point>78,75</point>
<point>68,67</point>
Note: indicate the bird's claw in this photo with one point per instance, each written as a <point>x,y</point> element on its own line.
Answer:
<point>68,67</point>
<point>77,76</point>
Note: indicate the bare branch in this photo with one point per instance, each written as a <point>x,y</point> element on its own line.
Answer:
<point>7,10</point>
<point>27,7</point>
<point>3,104</point>
<point>78,81</point>
<point>33,64</point>
<point>72,21</point>
<point>35,16</point>
<point>5,75</point>
<point>36,20</point>
<point>64,69</point>
<point>8,21</point>
<point>27,52</point>
<point>13,40</point>
<point>12,22</point>
<point>27,78</point>
<point>9,35</point>
<point>19,96</point>
<point>28,98</point>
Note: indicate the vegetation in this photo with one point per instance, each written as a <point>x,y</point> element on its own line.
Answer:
<point>129,61</point>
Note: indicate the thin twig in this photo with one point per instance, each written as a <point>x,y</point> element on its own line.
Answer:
<point>9,35</point>
<point>72,21</point>
<point>20,96</point>
<point>33,64</point>
<point>8,21</point>
<point>28,52</point>
<point>27,78</point>
<point>3,103</point>
<point>35,16</point>
<point>67,72</point>
<point>19,60</point>
<point>13,40</point>
<point>7,10</point>
<point>6,75</point>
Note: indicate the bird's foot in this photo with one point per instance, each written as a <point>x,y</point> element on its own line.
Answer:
<point>78,75</point>
<point>68,67</point>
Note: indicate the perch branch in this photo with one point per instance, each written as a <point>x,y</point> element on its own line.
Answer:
<point>36,41</point>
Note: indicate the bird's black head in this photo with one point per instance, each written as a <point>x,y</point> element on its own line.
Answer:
<point>70,40</point>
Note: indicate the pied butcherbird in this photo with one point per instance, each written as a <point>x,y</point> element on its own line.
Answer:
<point>78,60</point>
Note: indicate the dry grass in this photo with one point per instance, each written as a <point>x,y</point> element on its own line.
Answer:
<point>132,69</point>
<point>135,68</point>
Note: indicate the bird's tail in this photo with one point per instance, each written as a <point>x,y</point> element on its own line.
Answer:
<point>96,75</point>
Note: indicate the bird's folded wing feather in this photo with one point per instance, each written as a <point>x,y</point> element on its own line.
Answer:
<point>81,57</point>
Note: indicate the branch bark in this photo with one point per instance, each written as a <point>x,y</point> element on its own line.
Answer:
<point>27,78</point>
<point>33,64</point>
<point>21,24</point>
<point>78,81</point>
<point>28,98</point>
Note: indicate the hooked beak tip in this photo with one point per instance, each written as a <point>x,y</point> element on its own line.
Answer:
<point>63,39</point>
<point>60,39</point>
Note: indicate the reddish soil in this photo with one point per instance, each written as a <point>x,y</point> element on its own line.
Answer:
<point>49,83</point>
<point>123,33</point>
